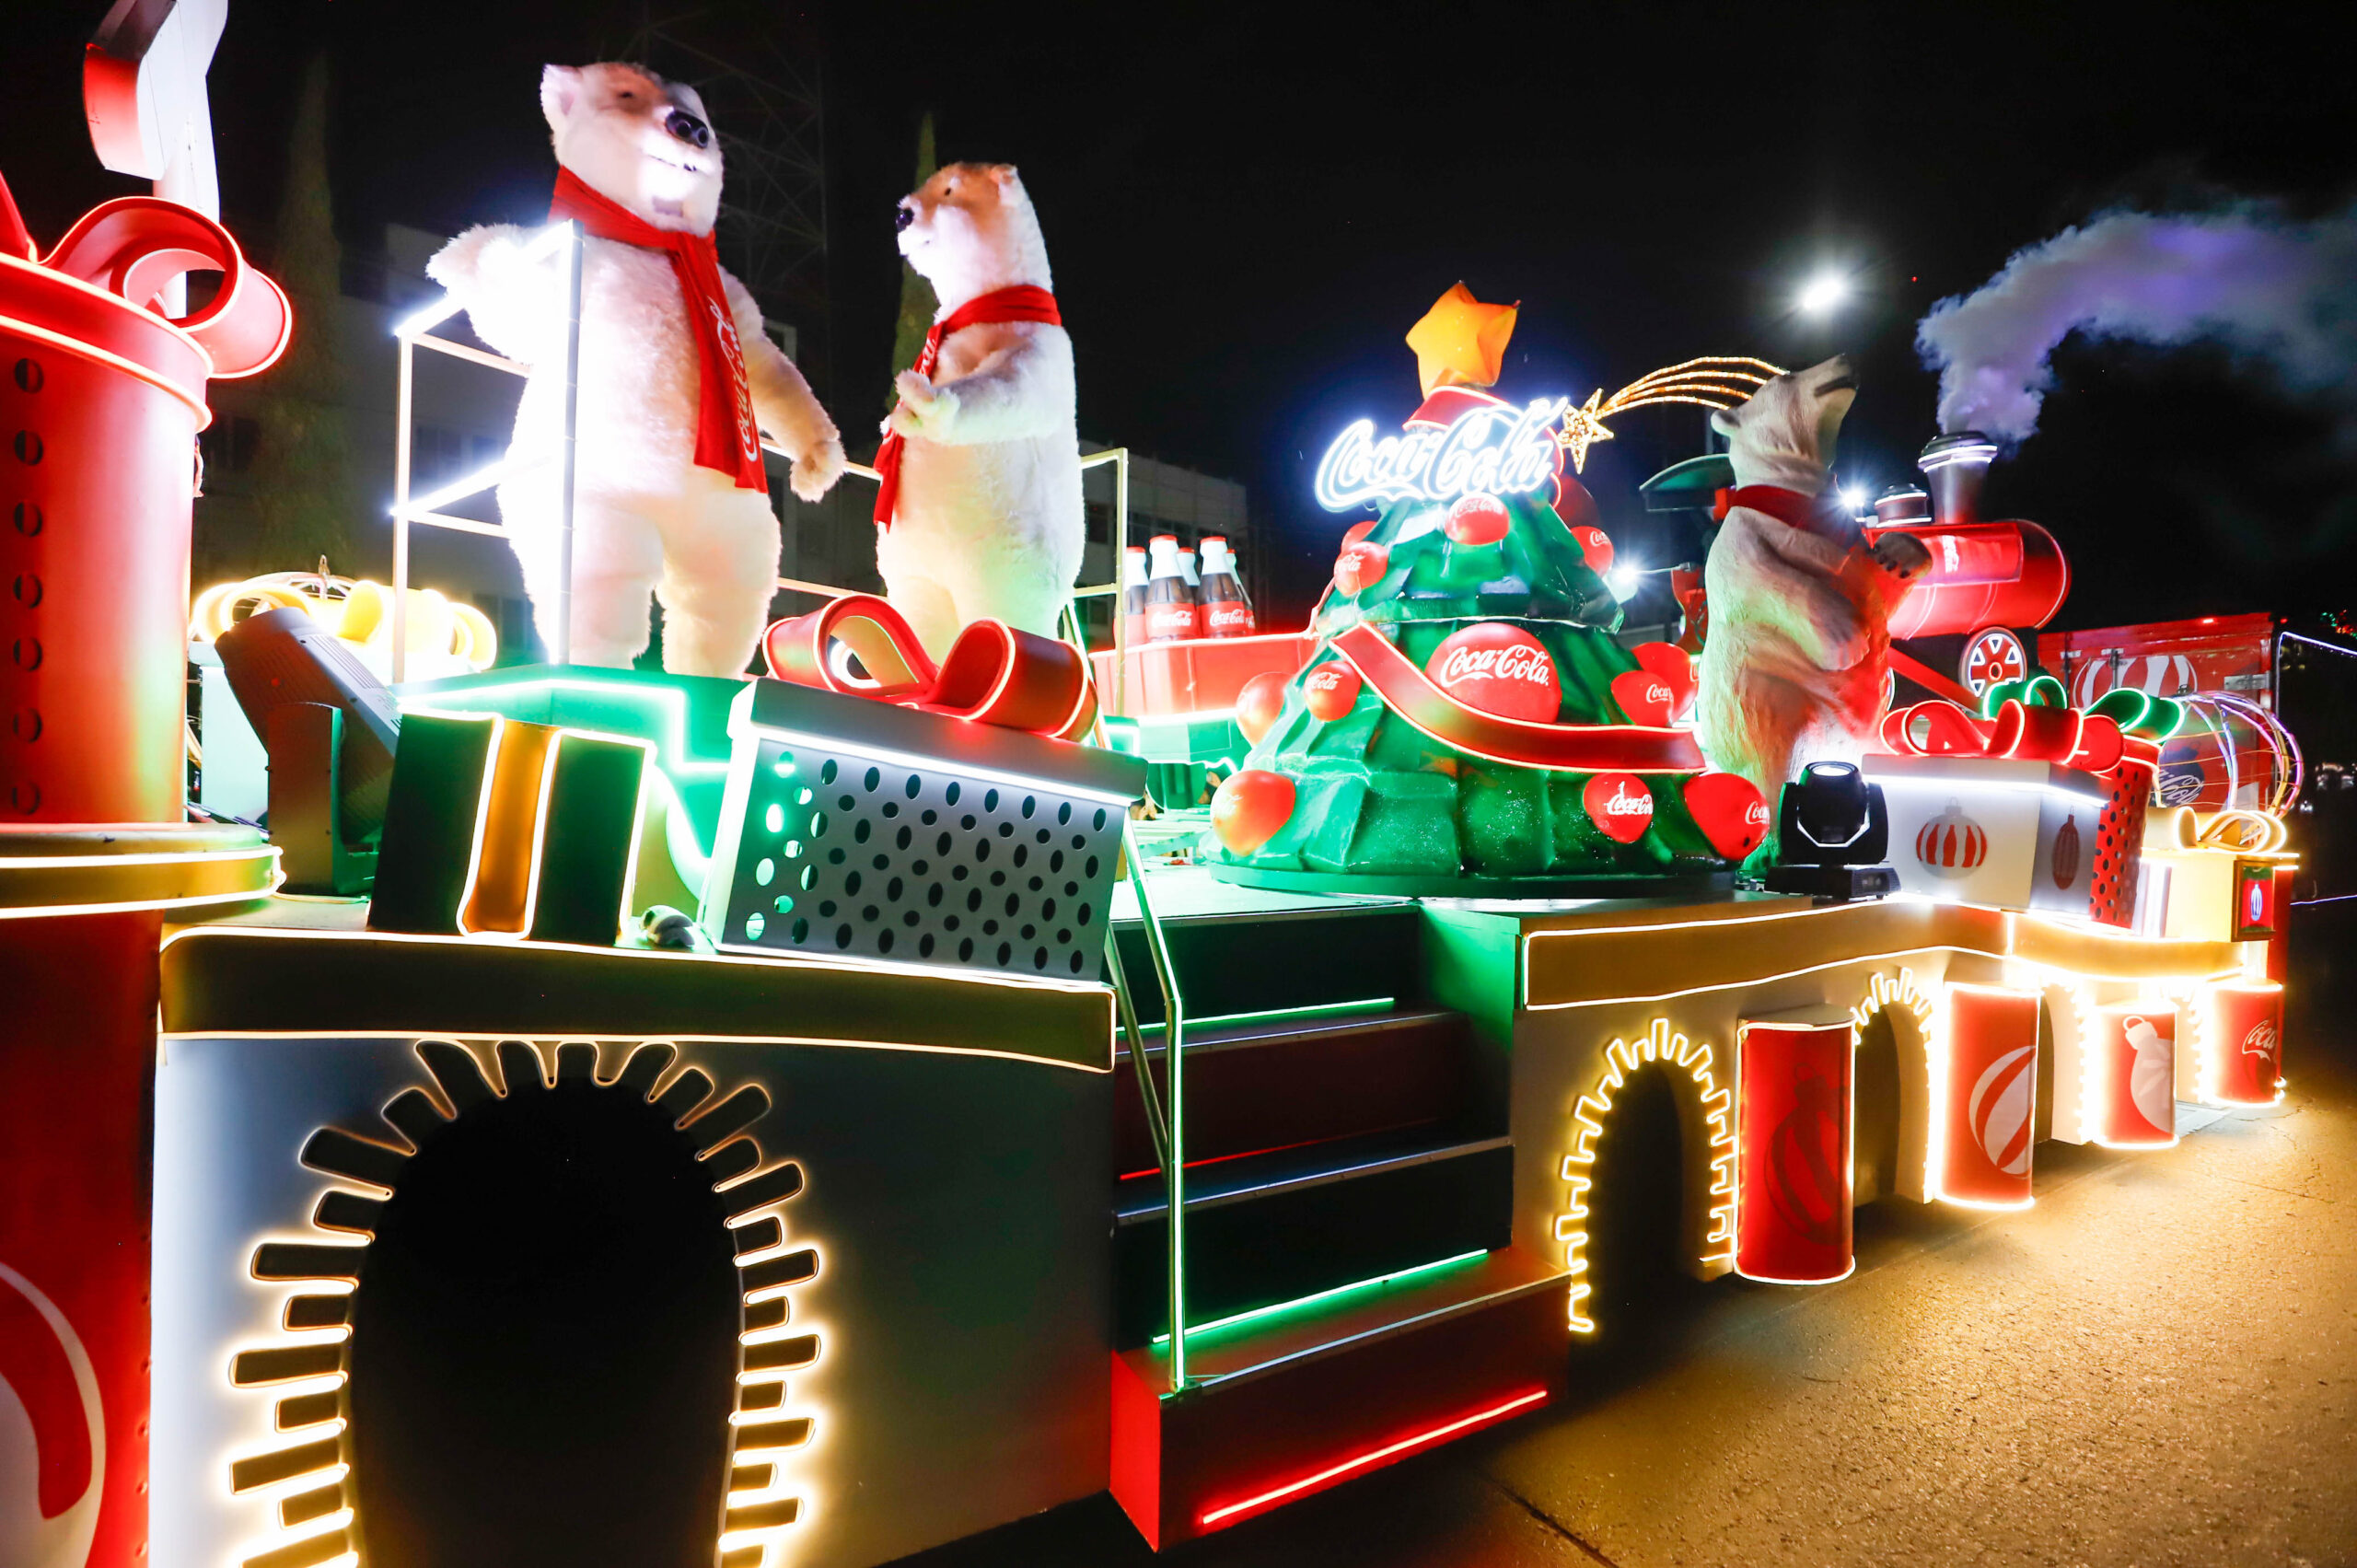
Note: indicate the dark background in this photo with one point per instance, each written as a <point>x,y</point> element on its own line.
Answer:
<point>1248,207</point>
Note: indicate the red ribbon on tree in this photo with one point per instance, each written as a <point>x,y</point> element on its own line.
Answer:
<point>994,673</point>
<point>2021,732</point>
<point>1019,302</point>
<point>727,440</point>
<point>1572,748</point>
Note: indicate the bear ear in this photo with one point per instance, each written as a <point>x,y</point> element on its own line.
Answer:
<point>1004,174</point>
<point>560,90</point>
<point>1726,420</point>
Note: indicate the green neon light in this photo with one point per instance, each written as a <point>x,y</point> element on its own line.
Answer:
<point>660,698</point>
<point>1260,1312</point>
<point>1316,1009</point>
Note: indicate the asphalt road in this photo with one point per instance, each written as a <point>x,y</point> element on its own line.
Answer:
<point>2156,1365</point>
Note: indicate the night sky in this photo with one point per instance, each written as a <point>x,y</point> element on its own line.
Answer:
<point>1246,207</point>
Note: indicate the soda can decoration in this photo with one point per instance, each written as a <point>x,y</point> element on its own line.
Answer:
<point>2243,1030</point>
<point>1990,1106</point>
<point>2136,1058</point>
<point>1793,1143</point>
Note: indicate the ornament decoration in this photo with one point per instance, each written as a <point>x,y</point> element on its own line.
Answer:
<point>1259,704</point>
<point>1645,697</point>
<point>1999,1109</point>
<point>2066,851</point>
<point>1673,665</point>
<point>1595,547</point>
<point>1730,811</point>
<point>1951,844</point>
<point>1330,690</point>
<point>1461,341</point>
<point>1477,518</point>
<point>1620,805</point>
<point>1808,1194</point>
<point>1573,506</point>
<point>1249,807</point>
<point>1361,564</point>
<point>1357,532</point>
<point>1499,669</point>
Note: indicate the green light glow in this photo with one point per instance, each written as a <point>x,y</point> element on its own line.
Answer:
<point>1257,1313</point>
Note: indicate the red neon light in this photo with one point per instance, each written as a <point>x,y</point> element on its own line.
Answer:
<point>1326,1477</point>
<point>1272,1149</point>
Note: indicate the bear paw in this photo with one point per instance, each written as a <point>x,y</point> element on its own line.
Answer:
<point>924,409</point>
<point>1902,555</point>
<point>815,472</point>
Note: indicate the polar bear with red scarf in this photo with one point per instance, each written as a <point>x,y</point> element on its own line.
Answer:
<point>676,379</point>
<point>1795,666</point>
<point>980,512</point>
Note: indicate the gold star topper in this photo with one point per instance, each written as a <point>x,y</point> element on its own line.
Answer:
<point>1461,341</point>
<point>1717,381</point>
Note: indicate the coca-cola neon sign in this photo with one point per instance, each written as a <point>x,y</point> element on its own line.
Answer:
<point>1489,446</point>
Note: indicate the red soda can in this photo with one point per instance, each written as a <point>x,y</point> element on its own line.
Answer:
<point>2243,1030</point>
<point>1792,1144</point>
<point>1991,1097</point>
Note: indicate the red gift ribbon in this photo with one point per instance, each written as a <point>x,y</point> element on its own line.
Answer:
<point>2021,732</point>
<point>133,246</point>
<point>1571,748</point>
<point>994,673</point>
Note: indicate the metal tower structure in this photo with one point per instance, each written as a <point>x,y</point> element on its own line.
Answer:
<point>763,96</point>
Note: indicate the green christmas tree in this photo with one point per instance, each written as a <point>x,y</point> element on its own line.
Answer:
<point>1464,583</point>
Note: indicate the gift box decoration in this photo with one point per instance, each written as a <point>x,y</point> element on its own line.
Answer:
<point>1793,1181</point>
<point>497,827</point>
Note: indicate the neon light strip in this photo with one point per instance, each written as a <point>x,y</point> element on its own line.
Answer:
<point>193,901</point>
<point>98,356</point>
<point>1260,1312</point>
<point>1334,1473</point>
<point>1317,1009</point>
<point>940,764</point>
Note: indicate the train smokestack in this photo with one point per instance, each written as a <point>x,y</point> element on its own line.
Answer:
<point>1955,466</point>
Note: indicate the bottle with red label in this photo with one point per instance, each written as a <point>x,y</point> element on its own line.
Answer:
<point>1133,585</point>
<point>1226,612</point>
<point>1172,611</point>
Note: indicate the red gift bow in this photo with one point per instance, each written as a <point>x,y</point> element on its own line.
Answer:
<point>1571,748</point>
<point>2071,736</point>
<point>995,674</point>
<point>133,246</point>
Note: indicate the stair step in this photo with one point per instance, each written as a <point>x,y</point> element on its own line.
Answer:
<point>1280,1081</point>
<point>1275,1227</point>
<point>1285,1406</point>
<point>1273,960</point>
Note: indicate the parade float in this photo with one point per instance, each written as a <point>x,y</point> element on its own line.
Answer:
<point>804,1119</point>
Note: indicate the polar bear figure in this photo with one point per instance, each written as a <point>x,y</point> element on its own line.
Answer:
<point>1795,663</point>
<point>647,517</point>
<point>988,520</point>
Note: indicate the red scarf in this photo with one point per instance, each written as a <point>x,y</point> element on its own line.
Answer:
<point>727,440</point>
<point>1784,505</point>
<point>1022,302</point>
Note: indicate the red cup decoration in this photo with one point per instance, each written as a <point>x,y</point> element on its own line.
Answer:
<point>1793,1181</point>
<point>2244,1031</point>
<point>1991,1097</point>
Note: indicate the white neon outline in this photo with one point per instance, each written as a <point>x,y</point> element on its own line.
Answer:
<point>1882,991</point>
<point>960,766</point>
<point>659,695</point>
<point>1658,1043</point>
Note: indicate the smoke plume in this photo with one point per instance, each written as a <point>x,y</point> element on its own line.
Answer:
<point>2280,294</point>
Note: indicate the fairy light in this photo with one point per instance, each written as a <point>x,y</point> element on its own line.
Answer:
<point>1662,1044</point>
<point>1713,381</point>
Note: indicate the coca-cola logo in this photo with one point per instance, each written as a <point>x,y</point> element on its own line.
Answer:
<point>1499,669</point>
<point>1756,815</point>
<point>2262,1041</point>
<point>1620,805</point>
<point>1495,448</point>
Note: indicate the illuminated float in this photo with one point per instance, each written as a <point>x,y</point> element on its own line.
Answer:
<point>704,1141</point>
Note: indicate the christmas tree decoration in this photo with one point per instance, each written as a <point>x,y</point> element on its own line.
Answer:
<point>1461,341</point>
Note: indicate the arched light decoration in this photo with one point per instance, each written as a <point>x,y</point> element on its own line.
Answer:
<point>1918,1126</point>
<point>306,1371</point>
<point>1714,1105</point>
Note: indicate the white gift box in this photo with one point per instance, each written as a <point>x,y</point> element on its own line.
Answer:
<point>1990,830</point>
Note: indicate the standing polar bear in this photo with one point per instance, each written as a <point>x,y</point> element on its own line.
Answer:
<point>980,514</point>
<point>675,375</point>
<point>1795,664</point>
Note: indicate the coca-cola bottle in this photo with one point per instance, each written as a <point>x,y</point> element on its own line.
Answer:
<point>1226,612</point>
<point>1171,610</point>
<point>1133,582</point>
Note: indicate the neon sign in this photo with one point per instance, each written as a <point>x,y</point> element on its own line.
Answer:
<point>1493,448</point>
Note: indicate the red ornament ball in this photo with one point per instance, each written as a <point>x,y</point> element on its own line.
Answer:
<point>1331,689</point>
<point>1361,564</point>
<point>1620,805</point>
<point>1674,664</point>
<point>1595,547</point>
<point>1729,810</point>
<point>1249,809</point>
<point>1645,697</point>
<point>1499,669</point>
<point>1478,518</point>
<point>1259,704</point>
<point>1357,532</point>
<point>1574,505</point>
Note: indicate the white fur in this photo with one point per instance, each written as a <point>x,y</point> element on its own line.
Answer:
<point>645,517</point>
<point>990,522</point>
<point>1793,667</point>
